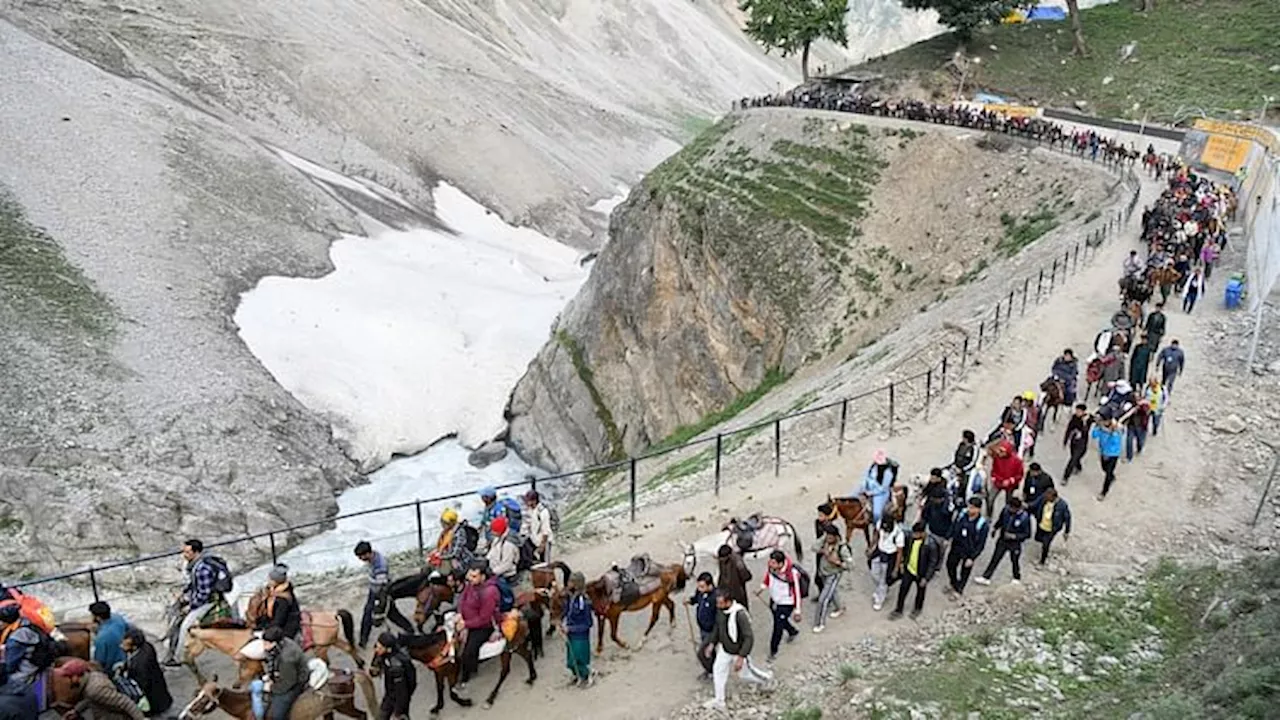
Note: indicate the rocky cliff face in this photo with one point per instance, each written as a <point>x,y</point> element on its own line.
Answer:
<point>773,240</point>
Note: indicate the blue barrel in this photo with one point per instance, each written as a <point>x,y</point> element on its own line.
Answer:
<point>1234,291</point>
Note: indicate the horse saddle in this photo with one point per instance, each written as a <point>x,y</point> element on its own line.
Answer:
<point>744,531</point>
<point>337,682</point>
<point>639,577</point>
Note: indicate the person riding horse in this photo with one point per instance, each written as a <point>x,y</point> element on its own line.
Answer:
<point>1067,371</point>
<point>878,482</point>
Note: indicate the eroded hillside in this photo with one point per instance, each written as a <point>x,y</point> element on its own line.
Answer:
<point>773,241</point>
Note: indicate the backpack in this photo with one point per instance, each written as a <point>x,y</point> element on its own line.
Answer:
<point>43,653</point>
<point>526,555</point>
<point>804,581</point>
<point>223,580</point>
<point>35,612</point>
<point>470,536</point>
<point>514,514</point>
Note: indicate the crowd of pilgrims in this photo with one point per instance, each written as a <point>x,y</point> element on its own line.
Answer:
<point>977,117</point>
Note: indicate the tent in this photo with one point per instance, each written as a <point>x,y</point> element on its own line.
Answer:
<point>1046,13</point>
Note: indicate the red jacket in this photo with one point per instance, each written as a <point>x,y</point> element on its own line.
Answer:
<point>1006,472</point>
<point>479,605</point>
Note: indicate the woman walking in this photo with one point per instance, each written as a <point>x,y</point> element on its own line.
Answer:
<point>885,557</point>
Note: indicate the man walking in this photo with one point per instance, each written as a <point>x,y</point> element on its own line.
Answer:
<point>1155,327</point>
<point>1011,529</point>
<point>734,574</point>
<point>1076,440</point>
<point>923,556</point>
<point>704,599</point>
<point>577,619</point>
<point>1110,436</point>
<point>834,557</point>
<point>968,540</point>
<point>1051,515</point>
<point>731,643</point>
<point>377,604</point>
<point>399,677</point>
<point>1036,483</point>
<point>782,582</point>
<point>1171,361</point>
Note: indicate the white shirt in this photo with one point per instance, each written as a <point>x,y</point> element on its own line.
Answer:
<point>892,541</point>
<point>503,555</point>
<point>538,524</point>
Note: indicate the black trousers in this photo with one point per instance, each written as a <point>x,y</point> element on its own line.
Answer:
<point>1045,539</point>
<point>957,572</point>
<point>1073,463</point>
<point>1014,550</point>
<point>907,582</point>
<point>1109,473</point>
<point>470,659</point>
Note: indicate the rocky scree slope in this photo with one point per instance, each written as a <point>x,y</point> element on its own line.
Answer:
<point>774,241</point>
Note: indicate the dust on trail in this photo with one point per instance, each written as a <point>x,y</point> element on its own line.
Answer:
<point>1150,511</point>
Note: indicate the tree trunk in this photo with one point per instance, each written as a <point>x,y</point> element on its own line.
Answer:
<point>804,62</point>
<point>1078,47</point>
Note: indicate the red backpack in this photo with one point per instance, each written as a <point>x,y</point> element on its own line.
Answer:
<point>36,612</point>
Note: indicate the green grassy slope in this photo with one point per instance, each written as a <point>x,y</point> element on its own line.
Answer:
<point>1192,55</point>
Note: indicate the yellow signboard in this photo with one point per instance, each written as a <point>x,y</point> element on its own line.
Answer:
<point>1252,132</point>
<point>1222,152</point>
<point>1014,110</point>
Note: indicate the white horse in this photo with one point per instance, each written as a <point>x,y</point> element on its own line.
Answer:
<point>770,533</point>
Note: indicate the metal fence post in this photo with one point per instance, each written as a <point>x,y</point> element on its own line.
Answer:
<point>1075,263</point>
<point>272,538</point>
<point>1026,284</point>
<point>93,582</point>
<point>1066,259</point>
<point>422,542</point>
<point>891,402</point>
<point>1009,315</point>
<point>944,374</point>
<point>928,391</point>
<point>777,447</point>
<point>1053,274</point>
<point>1039,286</point>
<point>844,421</point>
<point>964,353</point>
<point>995,328</point>
<point>633,489</point>
<point>719,450</point>
<point>982,331</point>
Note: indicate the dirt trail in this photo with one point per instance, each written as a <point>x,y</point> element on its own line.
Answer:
<point>1151,510</point>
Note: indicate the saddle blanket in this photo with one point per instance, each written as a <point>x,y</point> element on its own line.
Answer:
<point>765,536</point>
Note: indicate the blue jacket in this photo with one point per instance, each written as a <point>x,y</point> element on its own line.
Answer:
<point>969,536</point>
<point>106,643</point>
<point>706,604</point>
<point>577,616</point>
<point>1018,525</point>
<point>1061,514</point>
<point>1110,442</point>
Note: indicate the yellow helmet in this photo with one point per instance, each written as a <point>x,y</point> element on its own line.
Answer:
<point>449,516</point>
<point>1029,395</point>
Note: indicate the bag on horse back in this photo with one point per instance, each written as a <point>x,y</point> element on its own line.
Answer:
<point>223,580</point>
<point>45,651</point>
<point>36,612</point>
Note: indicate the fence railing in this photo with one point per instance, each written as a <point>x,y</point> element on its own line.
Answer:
<point>935,379</point>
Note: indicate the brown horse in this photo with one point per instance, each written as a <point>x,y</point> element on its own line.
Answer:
<point>321,629</point>
<point>230,637</point>
<point>78,638</point>
<point>338,695</point>
<point>857,514</point>
<point>671,578</point>
<point>433,650</point>
<point>1055,393</point>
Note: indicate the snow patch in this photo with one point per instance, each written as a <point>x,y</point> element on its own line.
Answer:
<point>416,334</point>
<point>605,206</point>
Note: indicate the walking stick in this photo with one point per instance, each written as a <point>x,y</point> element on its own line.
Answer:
<point>689,617</point>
